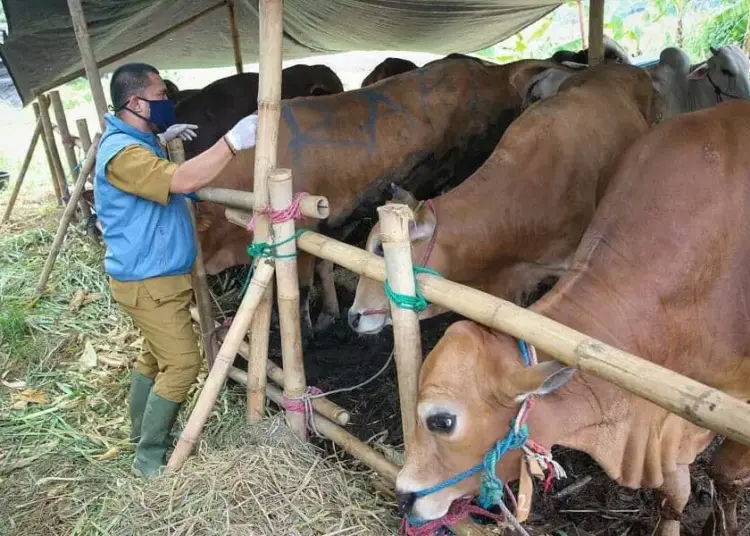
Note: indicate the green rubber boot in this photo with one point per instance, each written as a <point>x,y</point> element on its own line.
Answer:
<point>151,451</point>
<point>140,388</point>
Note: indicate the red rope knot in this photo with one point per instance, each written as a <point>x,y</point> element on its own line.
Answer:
<point>459,510</point>
<point>292,212</point>
<point>304,405</point>
<point>69,140</point>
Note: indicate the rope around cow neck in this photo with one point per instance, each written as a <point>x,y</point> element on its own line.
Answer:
<point>416,303</point>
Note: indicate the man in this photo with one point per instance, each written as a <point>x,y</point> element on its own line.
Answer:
<point>141,204</point>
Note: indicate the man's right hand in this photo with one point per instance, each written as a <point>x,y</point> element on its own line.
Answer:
<point>242,135</point>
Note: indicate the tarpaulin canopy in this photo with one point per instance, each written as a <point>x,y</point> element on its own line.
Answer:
<point>41,51</point>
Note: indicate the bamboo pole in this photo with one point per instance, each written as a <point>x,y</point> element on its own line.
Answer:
<point>89,61</point>
<point>698,403</point>
<point>282,194</point>
<point>24,169</point>
<point>68,144</point>
<point>217,376</point>
<point>596,32</point>
<point>54,155</point>
<point>271,14</point>
<point>581,23</point>
<point>198,273</point>
<point>67,216</point>
<point>83,133</point>
<point>407,343</point>
<point>235,36</point>
<point>312,206</point>
<point>322,405</point>
<point>55,185</point>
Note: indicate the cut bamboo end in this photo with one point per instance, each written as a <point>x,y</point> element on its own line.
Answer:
<point>311,206</point>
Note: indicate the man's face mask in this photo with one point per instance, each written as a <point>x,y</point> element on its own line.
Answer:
<point>162,114</point>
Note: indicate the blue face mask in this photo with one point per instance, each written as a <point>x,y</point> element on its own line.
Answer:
<point>162,113</point>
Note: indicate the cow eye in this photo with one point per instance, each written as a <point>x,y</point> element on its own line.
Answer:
<point>441,423</point>
<point>378,250</point>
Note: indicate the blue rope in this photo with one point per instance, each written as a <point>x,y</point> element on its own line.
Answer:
<point>525,353</point>
<point>448,483</point>
<point>491,492</point>
<point>416,303</point>
<point>266,250</point>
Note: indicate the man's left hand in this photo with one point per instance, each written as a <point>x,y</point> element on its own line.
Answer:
<point>184,131</point>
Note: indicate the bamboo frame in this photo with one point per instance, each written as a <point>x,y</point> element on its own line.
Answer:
<point>54,155</point>
<point>24,169</point>
<point>311,206</point>
<point>67,216</point>
<point>596,32</point>
<point>198,273</point>
<point>407,342</point>
<point>287,281</point>
<point>67,144</point>
<point>85,138</point>
<point>235,36</point>
<point>271,14</point>
<point>698,403</point>
<point>258,286</point>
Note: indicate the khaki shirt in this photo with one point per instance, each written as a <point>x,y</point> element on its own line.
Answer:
<point>138,171</point>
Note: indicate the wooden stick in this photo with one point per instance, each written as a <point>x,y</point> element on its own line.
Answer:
<point>311,206</point>
<point>407,342</point>
<point>48,156</point>
<point>271,14</point>
<point>596,32</point>
<point>322,405</point>
<point>83,133</point>
<point>235,37</point>
<point>705,406</point>
<point>89,61</point>
<point>581,23</point>
<point>198,273</point>
<point>282,194</point>
<point>67,216</point>
<point>258,286</point>
<point>67,143</point>
<point>54,156</point>
<point>24,169</point>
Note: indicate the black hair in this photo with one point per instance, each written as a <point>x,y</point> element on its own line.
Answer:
<point>129,79</point>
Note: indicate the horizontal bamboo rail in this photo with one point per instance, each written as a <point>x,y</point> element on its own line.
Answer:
<point>311,206</point>
<point>692,400</point>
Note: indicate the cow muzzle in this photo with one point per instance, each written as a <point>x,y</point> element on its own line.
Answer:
<point>368,322</point>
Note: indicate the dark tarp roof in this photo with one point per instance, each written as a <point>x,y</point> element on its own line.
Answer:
<point>41,51</point>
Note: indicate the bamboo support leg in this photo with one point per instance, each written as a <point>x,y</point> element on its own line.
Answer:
<point>394,232</point>
<point>24,169</point>
<point>66,217</point>
<point>235,36</point>
<point>83,134</point>
<point>596,32</point>
<point>52,173</point>
<point>217,376</point>
<point>68,145</point>
<point>54,154</point>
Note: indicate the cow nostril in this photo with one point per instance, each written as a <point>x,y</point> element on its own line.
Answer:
<point>354,320</point>
<point>405,500</point>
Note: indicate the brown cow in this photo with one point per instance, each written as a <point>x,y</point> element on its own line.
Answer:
<point>387,68</point>
<point>427,129</point>
<point>518,220</point>
<point>661,272</point>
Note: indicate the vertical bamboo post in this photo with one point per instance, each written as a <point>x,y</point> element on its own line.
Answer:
<point>24,169</point>
<point>200,281</point>
<point>42,103</point>
<point>269,96</point>
<point>49,134</point>
<point>235,36</point>
<point>89,61</point>
<point>407,343</point>
<point>83,134</point>
<point>67,216</point>
<point>596,32</point>
<point>581,23</point>
<point>282,194</point>
<point>67,143</point>
<point>257,288</point>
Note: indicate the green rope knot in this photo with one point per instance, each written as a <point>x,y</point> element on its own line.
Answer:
<point>416,303</point>
<point>267,250</point>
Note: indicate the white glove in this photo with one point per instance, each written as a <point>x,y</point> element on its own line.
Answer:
<point>185,132</point>
<point>242,135</point>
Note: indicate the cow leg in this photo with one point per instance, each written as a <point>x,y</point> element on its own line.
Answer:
<point>306,273</point>
<point>330,312</point>
<point>730,470</point>
<point>673,495</point>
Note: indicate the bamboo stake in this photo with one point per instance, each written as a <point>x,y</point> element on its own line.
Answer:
<point>198,273</point>
<point>38,106</point>
<point>54,156</point>
<point>312,206</point>
<point>217,376</point>
<point>322,405</point>
<point>287,281</point>
<point>89,61</point>
<point>67,143</point>
<point>596,32</point>
<point>698,403</point>
<point>24,169</point>
<point>67,216</point>
<point>235,36</point>
<point>407,343</point>
<point>271,14</point>
<point>83,133</point>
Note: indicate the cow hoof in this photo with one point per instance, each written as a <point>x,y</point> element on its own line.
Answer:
<point>325,321</point>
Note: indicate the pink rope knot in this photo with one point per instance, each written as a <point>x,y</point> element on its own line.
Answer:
<point>459,510</point>
<point>292,212</point>
<point>304,405</point>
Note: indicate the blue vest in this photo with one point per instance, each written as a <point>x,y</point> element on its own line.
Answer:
<point>144,239</point>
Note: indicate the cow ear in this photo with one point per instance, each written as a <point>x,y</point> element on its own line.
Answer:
<point>541,379</point>
<point>699,73</point>
<point>424,224</point>
<point>405,197</point>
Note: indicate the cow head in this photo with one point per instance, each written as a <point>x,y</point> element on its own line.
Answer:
<point>470,389</point>
<point>728,70</point>
<point>370,312</point>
